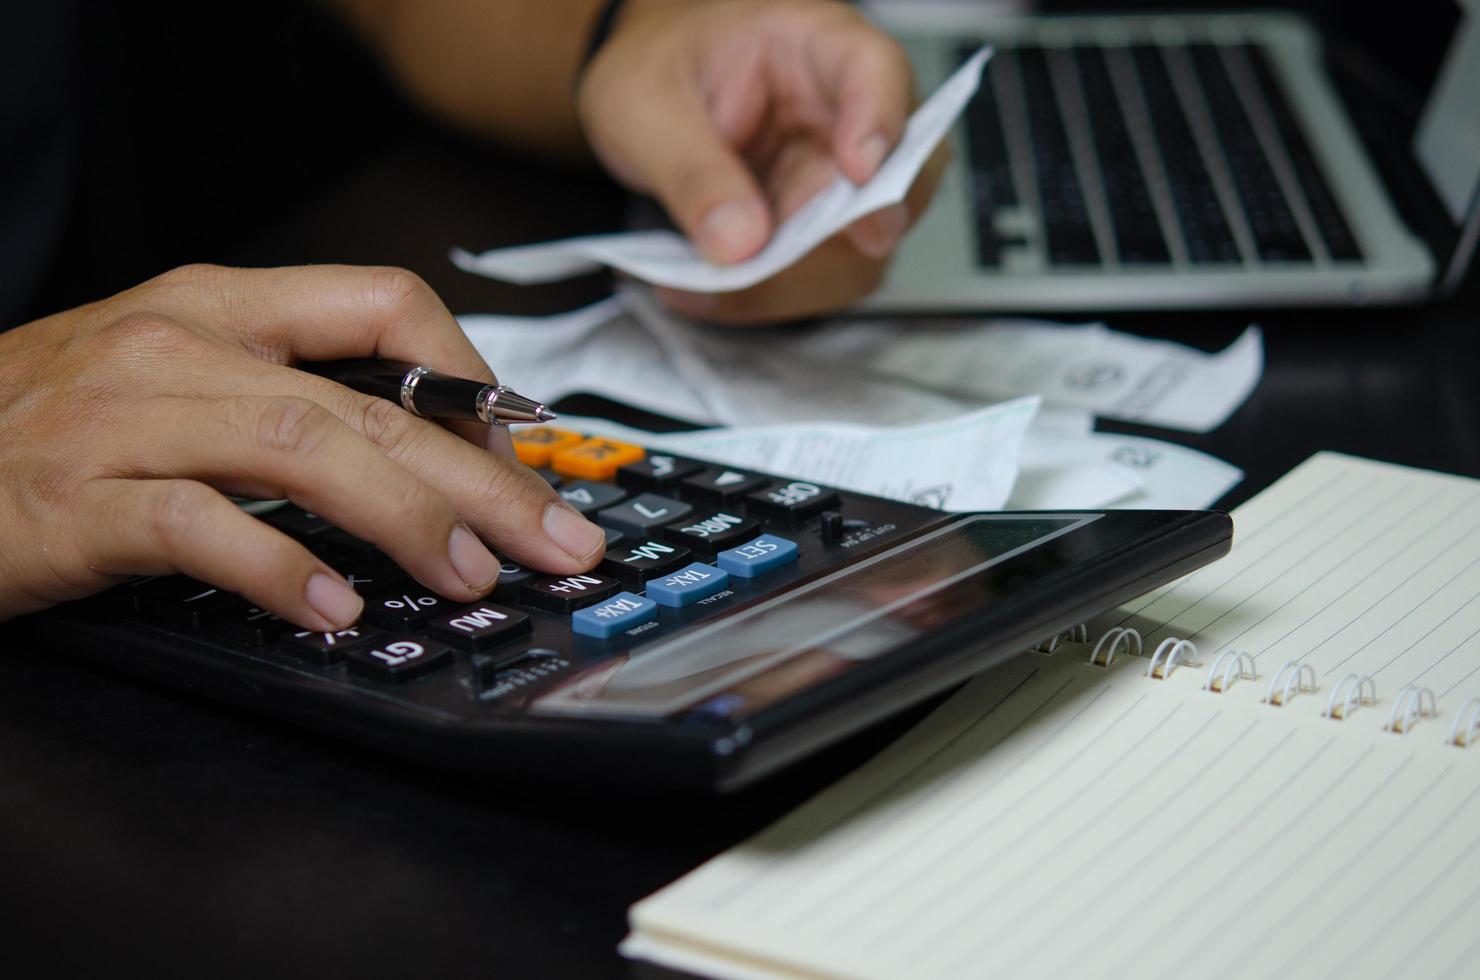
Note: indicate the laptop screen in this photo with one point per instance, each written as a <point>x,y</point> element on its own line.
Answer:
<point>1447,143</point>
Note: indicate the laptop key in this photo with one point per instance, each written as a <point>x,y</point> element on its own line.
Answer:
<point>1067,230</point>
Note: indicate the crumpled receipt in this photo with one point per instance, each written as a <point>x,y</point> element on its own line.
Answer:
<point>666,258</point>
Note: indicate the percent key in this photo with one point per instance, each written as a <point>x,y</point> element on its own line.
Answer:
<point>403,607</point>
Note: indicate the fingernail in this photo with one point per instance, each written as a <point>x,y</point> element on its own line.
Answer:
<point>872,152</point>
<point>730,231</point>
<point>474,563</point>
<point>885,228</point>
<point>333,599</point>
<point>575,535</point>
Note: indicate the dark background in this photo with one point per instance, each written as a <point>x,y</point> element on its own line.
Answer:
<point>143,830</point>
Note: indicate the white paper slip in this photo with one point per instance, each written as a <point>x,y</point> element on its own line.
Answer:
<point>1280,799</point>
<point>599,350</point>
<point>1111,374</point>
<point>665,258</point>
<point>1063,471</point>
<point>964,463</point>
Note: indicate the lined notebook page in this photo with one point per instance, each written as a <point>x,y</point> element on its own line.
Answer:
<point>1056,818</point>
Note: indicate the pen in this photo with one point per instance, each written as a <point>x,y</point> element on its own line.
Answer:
<point>430,394</point>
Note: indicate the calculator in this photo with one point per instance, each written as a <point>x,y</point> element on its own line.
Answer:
<point>739,621</point>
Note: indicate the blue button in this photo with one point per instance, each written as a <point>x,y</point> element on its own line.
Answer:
<point>687,585</point>
<point>621,612</point>
<point>761,555</point>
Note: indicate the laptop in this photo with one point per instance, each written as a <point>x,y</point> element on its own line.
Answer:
<point>1184,161</point>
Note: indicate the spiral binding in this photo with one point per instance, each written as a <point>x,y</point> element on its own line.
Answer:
<point>1412,705</point>
<point>1239,666</point>
<point>1299,678</point>
<point>1357,694</point>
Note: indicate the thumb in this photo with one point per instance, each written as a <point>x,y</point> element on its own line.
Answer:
<point>674,152</point>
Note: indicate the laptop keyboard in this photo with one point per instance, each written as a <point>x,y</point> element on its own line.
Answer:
<point>1147,156</point>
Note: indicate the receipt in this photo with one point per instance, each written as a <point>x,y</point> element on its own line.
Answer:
<point>1062,470</point>
<point>968,462</point>
<point>666,258</point>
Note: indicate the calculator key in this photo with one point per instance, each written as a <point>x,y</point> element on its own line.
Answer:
<point>328,648</point>
<point>656,472</point>
<point>296,522</point>
<point>512,578</point>
<point>185,603</point>
<point>643,513</point>
<point>398,659</point>
<point>404,607</point>
<point>535,444</point>
<point>481,626</point>
<point>613,537</point>
<point>794,498</point>
<point>588,497</point>
<point>709,532</point>
<point>687,585</point>
<point>595,459</point>
<point>637,563</point>
<point>550,477</point>
<point>606,619</point>
<point>764,554</point>
<point>239,620</point>
<point>369,573</point>
<point>721,483</point>
<point>571,592</point>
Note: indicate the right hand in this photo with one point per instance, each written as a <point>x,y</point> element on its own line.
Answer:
<point>125,423</point>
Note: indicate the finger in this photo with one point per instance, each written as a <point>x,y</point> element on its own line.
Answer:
<point>325,312</point>
<point>831,276</point>
<point>156,527</point>
<point>879,233</point>
<point>296,448</point>
<point>502,500</point>
<point>871,83</point>
<point>673,150</point>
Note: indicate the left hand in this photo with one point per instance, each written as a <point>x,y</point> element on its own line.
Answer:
<point>733,113</point>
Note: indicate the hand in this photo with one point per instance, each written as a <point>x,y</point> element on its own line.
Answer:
<point>733,113</point>
<point>126,421</point>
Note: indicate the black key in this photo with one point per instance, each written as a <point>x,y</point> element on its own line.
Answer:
<point>126,598</point>
<point>794,498</point>
<point>656,472</point>
<point>720,483</point>
<point>329,648</point>
<point>638,563</point>
<point>512,578</point>
<point>296,522</point>
<point>711,532</point>
<point>184,603</point>
<point>398,659</point>
<point>239,620</point>
<point>588,497</point>
<point>480,626</point>
<point>986,147</point>
<point>1200,216</point>
<point>551,477</point>
<point>1138,238</point>
<point>1277,236</point>
<point>1332,224</point>
<point>369,572</point>
<point>563,595</point>
<point>644,512</point>
<point>405,606</point>
<point>1066,222</point>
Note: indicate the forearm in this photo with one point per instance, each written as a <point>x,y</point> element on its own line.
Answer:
<point>500,68</point>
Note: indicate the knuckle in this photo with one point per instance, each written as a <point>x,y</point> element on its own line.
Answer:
<point>144,333</point>
<point>508,484</point>
<point>386,426</point>
<point>192,275</point>
<point>398,291</point>
<point>176,509</point>
<point>294,426</point>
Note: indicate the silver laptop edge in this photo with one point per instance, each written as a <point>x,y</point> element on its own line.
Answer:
<point>936,268</point>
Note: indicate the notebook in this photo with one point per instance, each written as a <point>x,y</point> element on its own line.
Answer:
<point>1290,792</point>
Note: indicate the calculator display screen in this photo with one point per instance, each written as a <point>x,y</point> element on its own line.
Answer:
<point>817,629</point>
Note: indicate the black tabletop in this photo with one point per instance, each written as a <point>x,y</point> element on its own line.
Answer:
<point>141,828</point>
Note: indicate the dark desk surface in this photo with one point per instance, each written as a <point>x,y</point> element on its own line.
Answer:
<point>142,827</point>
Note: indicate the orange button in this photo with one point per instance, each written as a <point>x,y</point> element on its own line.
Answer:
<point>594,459</point>
<point>535,443</point>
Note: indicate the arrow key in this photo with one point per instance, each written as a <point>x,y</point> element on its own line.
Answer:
<point>721,483</point>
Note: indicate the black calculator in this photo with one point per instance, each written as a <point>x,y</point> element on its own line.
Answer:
<point>739,621</point>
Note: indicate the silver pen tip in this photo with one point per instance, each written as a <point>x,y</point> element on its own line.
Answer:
<point>505,405</point>
<point>543,414</point>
